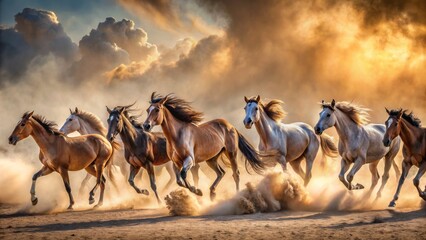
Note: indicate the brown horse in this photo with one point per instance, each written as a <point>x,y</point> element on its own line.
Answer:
<point>189,142</point>
<point>141,149</point>
<point>407,126</point>
<point>62,154</point>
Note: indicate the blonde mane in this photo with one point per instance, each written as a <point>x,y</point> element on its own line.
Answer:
<point>356,113</point>
<point>92,120</point>
<point>273,109</point>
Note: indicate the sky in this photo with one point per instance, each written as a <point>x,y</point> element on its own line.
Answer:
<point>212,53</point>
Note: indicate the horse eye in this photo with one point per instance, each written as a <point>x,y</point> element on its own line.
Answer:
<point>70,119</point>
<point>22,124</point>
<point>256,108</point>
<point>328,115</point>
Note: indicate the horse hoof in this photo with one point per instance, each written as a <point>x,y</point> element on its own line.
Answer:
<point>70,208</point>
<point>180,183</point>
<point>359,186</point>
<point>144,192</point>
<point>392,204</point>
<point>423,195</point>
<point>91,201</point>
<point>97,206</point>
<point>34,201</point>
<point>198,192</point>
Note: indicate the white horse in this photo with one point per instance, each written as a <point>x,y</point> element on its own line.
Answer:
<point>293,142</point>
<point>359,143</point>
<point>87,123</point>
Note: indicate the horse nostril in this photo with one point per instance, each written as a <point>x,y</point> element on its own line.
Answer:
<point>147,126</point>
<point>10,139</point>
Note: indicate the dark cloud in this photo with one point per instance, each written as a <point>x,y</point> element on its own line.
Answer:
<point>36,33</point>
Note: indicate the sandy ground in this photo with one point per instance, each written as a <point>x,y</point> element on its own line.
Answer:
<point>156,224</point>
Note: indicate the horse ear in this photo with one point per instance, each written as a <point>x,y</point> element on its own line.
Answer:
<point>400,114</point>
<point>164,100</point>
<point>76,109</point>
<point>258,98</point>
<point>108,110</point>
<point>333,103</point>
<point>387,110</point>
<point>29,114</point>
<point>246,99</point>
<point>70,111</point>
<point>152,96</point>
<point>322,102</point>
<point>121,110</point>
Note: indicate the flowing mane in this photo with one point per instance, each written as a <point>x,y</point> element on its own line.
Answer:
<point>357,114</point>
<point>273,109</point>
<point>49,126</point>
<point>92,120</point>
<point>409,117</point>
<point>179,108</point>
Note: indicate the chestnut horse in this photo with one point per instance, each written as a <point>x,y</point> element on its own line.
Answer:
<point>189,142</point>
<point>294,142</point>
<point>60,153</point>
<point>359,143</point>
<point>408,128</point>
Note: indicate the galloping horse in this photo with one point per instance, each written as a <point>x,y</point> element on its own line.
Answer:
<point>189,142</point>
<point>408,128</point>
<point>88,123</point>
<point>141,149</point>
<point>62,154</point>
<point>359,143</point>
<point>294,142</point>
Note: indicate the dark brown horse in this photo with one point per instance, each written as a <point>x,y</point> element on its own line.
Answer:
<point>189,142</point>
<point>407,126</point>
<point>141,149</point>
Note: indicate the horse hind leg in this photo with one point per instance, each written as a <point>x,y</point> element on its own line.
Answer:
<point>170,171</point>
<point>84,184</point>
<point>212,163</point>
<point>194,171</point>
<point>297,167</point>
<point>374,177</point>
<point>43,172</point>
<point>133,172</point>
<point>232,156</point>
<point>416,180</point>
<point>151,173</point>
<point>389,160</point>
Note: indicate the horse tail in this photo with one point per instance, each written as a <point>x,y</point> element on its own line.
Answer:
<point>251,155</point>
<point>328,149</point>
<point>327,146</point>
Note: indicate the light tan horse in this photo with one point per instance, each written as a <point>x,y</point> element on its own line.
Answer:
<point>189,142</point>
<point>408,127</point>
<point>61,154</point>
<point>359,143</point>
<point>294,142</point>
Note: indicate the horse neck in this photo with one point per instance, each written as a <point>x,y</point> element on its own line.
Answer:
<point>86,128</point>
<point>171,126</point>
<point>265,127</point>
<point>129,134</point>
<point>41,136</point>
<point>345,127</point>
<point>409,133</point>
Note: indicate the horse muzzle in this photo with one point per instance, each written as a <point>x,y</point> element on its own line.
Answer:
<point>13,140</point>
<point>318,130</point>
<point>147,126</point>
<point>248,123</point>
<point>387,142</point>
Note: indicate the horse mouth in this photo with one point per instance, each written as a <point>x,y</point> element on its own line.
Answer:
<point>13,142</point>
<point>248,126</point>
<point>317,132</point>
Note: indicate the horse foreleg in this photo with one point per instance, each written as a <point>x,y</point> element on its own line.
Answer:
<point>194,171</point>
<point>343,169</point>
<point>389,161</point>
<point>187,165</point>
<point>283,162</point>
<point>416,180</point>
<point>171,172</point>
<point>357,165</point>
<point>296,165</point>
<point>100,181</point>
<point>150,170</point>
<point>406,165</point>
<point>65,178</point>
<point>177,174</point>
<point>133,172</point>
<point>212,163</point>
<point>43,172</point>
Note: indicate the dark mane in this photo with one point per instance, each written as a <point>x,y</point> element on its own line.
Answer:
<point>409,117</point>
<point>179,108</point>
<point>49,126</point>
<point>273,108</point>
